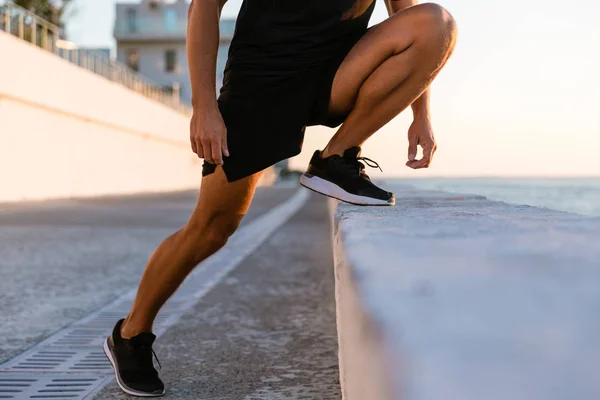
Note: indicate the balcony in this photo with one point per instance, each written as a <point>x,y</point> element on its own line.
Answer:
<point>156,28</point>
<point>151,28</point>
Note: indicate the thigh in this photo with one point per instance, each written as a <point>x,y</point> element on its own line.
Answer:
<point>381,42</point>
<point>222,201</point>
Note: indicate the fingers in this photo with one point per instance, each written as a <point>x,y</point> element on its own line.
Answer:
<point>217,151</point>
<point>219,148</point>
<point>207,150</point>
<point>412,148</point>
<point>428,151</point>
<point>212,150</point>
<point>224,145</point>
<point>209,140</point>
<point>200,151</point>
<point>197,147</point>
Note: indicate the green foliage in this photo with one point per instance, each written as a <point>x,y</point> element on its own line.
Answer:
<point>53,11</point>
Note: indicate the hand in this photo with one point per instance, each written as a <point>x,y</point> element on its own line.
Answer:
<point>420,133</point>
<point>208,135</point>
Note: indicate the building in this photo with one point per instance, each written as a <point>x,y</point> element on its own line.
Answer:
<point>151,37</point>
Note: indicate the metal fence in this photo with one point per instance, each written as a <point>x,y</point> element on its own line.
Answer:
<point>39,32</point>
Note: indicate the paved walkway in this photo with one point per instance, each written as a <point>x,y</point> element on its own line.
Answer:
<point>267,331</point>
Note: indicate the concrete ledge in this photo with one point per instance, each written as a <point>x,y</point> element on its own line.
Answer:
<point>78,134</point>
<point>450,297</point>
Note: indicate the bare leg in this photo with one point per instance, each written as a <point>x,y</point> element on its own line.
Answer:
<point>387,70</point>
<point>221,207</point>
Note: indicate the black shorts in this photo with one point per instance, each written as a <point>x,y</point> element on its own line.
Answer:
<point>266,120</point>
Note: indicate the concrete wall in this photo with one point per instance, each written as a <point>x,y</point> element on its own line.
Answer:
<point>66,132</point>
<point>364,373</point>
<point>450,296</point>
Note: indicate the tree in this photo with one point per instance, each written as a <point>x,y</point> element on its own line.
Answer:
<point>53,11</point>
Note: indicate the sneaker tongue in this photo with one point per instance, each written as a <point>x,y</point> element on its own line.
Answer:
<point>353,152</point>
<point>143,339</point>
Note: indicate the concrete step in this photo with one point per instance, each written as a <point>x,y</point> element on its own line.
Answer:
<point>449,296</point>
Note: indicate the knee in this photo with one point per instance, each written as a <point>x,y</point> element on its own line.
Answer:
<point>436,20</point>
<point>216,236</point>
<point>212,235</point>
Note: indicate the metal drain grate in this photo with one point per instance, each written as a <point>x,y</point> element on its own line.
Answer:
<point>60,365</point>
<point>79,347</point>
<point>47,359</point>
<point>18,387</point>
<point>92,332</point>
<point>80,337</point>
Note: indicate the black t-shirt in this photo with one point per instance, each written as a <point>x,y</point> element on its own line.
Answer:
<point>294,36</point>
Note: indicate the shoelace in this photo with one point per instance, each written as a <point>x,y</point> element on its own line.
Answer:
<point>143,349</point>
<point>367,161</point>
<point>357,162</point>
<point>156,357</point>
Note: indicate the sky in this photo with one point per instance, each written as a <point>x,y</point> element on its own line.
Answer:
<point>519,97</point>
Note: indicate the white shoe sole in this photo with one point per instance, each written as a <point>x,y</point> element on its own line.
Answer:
<point>123,387</point>
<point>330,189</point>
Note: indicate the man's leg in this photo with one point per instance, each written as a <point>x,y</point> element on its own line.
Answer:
<point>387,70</point>
<point>221,207</point>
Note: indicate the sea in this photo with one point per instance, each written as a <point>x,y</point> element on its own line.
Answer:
<point>576,195</point>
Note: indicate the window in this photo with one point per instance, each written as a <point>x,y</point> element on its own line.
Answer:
<point>132,20</point>
<point>133,59</point>
<point>170,60</point>
<point>170,19</point>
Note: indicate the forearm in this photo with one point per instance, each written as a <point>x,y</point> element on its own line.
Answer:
<point>202,47</point>
<point>420,106</point>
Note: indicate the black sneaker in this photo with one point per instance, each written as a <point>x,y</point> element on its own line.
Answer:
<point>132,362</point>
<point>344,178</point>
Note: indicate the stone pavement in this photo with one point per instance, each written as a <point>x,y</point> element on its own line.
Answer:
<point>266,332</point>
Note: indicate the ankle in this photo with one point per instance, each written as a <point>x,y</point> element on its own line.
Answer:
<point>129,329</point>
<point>328,152</point>
<point>125,332</point>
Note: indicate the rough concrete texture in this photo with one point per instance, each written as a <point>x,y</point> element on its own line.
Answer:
<point>267,331</point>
<point>477,299</point>
<point>61,260</point>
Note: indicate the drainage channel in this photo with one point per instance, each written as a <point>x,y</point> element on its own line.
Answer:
<point>71,363</point>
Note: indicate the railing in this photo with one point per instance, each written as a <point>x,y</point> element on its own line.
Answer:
<point>39,32</point>
<point>150,27</point>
